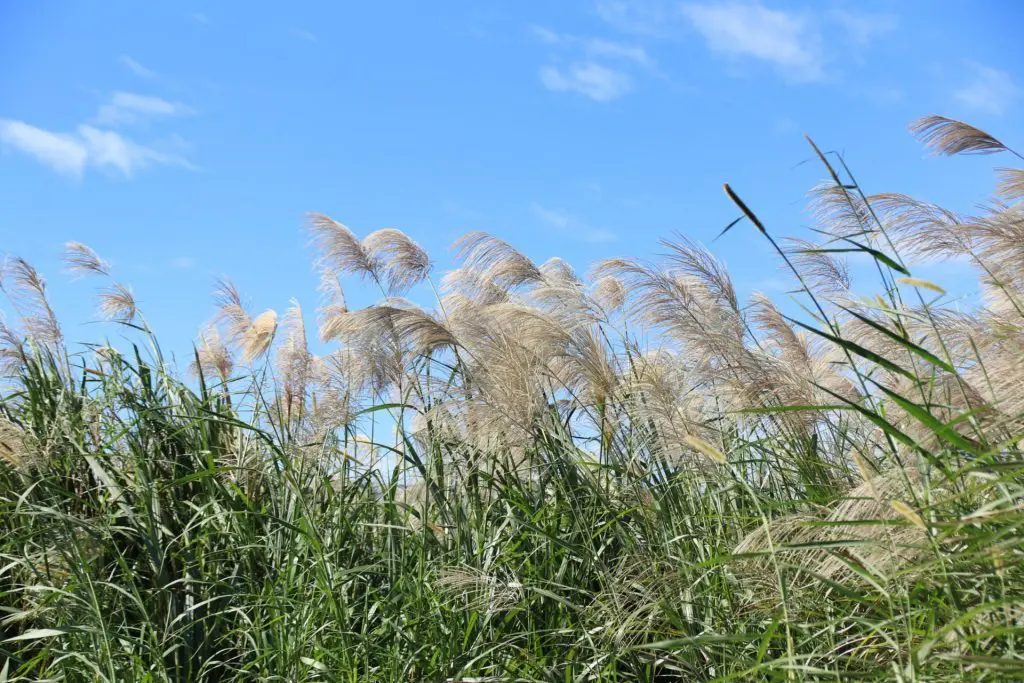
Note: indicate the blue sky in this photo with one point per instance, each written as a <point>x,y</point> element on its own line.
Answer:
<point>183,142</point>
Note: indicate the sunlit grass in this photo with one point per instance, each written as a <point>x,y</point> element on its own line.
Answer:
<point>544,477</point>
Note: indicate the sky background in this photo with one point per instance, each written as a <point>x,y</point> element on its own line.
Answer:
<point>184,142</point>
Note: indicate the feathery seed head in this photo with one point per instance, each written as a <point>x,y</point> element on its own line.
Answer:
<point>118,303</point>
<point>81,260</point>
<point>948,136</point>
<point>400,262</point>
<point>260,334</point>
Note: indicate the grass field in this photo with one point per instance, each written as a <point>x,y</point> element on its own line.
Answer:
<point>628,476</point>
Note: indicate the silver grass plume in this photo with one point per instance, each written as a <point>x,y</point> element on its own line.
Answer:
<point>466,289</point>
<point>256,340</point>
<point>1011,184</point>
<point>333,307</point>
<point>841,213</point>
<point>698,263</point>
<point>395,324</point>
<point>230,309</point>
<point>340,249</point>
<point>17,446</point>
<point>704,321</point>
<point>820,270</point>
<point>253,335</point>
<point>948,136</point>
<point>398,260</point>
<point>12,350</point>
<point>859,530</point>
<point>118,303</point>
<point>480,590</point>
<point>26,290</point>
<point>495,260</point>
<point>213,357</point>
<point>115,302</point>
<point>81,260</point>
<point>294,361</point>
<point>563,296</point>
<point>609,293</point>
<point>926,231</point>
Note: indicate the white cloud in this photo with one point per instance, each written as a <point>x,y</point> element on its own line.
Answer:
<point>71,153</point>
<point>581,64</point>
<point>546,35</point>
<point>642,17</point>
<point>126,107</point>
<point>303,34</point>
<point>991,91</point>
<point>863,28</point>
<point>613,50</point>
<point>63,153</point>
<point>566,222</point>
<point>597,82</point>
<point>109,149</point>
<point>750,30</point>
<point>137,68</point>
<point>183,263</point>
<point>94,145</point>
<point>594,47</point>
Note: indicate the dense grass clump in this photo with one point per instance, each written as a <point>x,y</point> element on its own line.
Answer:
<point>631,476</point>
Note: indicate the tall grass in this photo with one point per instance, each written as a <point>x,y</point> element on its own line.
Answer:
<point>631,476</point>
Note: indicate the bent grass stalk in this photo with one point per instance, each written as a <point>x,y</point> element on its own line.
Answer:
<point>632,477</point>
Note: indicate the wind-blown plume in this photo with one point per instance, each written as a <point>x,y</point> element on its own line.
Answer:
<point>81,260</point>
<point>118,303</point>
<point>949,136</point>
<point>213,357</point>
<point>412,325</point>
<point>294,361</point>
<point>230,309</point>
<point>609,293</point>
<point>340,249</point>
<point>840,212</point>
<point>1011,184</point>
<point>495,260</point>
<point>333,307</point>
<point>820,270</point>
<point>697,262</point>
<point>399,261</point>
<point>256,340</point>
<point>926,231</point>
<point>26,290</point>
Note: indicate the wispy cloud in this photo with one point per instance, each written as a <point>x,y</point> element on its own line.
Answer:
<point>738,30</point>
<point>183,263</point>
<point>863,28</point>
<point>595,47</point>
<point>127,108</point>
<point>582,64</point>
<point>568,223</point>
<point>641,17</point>
<point>92,144</point>
<point>991,91</point>
<point>599,83</point>
<point>303,34</point>
<point>799,44</point>
<point>108,149</point>
<point>65,154</point>
<point>71,153</point>
<point>137,68</point>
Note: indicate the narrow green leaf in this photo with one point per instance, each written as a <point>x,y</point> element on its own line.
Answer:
<point>39,634</point>
<point>937,426</point>
<point>856,349</point>
<point>909,345</point>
